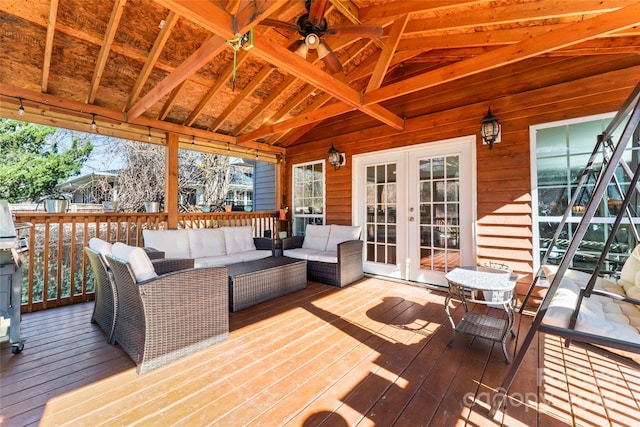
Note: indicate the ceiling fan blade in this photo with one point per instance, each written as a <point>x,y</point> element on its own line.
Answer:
<point>279,24</point>
<point>317,8</point>
<point>366,31</point>
<point>329,58</point>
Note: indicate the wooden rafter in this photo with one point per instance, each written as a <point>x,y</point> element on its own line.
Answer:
<point>48,47</point>
<point>248,89</point>
<point>112,27</point>
<point>209,50</point>
<point>488,14</point>
<point>266,103</point>
<point>171,100</point>
<point>151,61</point>
<point>547,42</point>
<point>387,52</point>
<point>311,117</point>
<point>221,81</point>
<point>212,17</point>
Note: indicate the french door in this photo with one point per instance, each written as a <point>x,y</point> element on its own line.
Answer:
<point>415,207</point>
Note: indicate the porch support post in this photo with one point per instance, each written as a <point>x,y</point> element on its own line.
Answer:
<point>171,181</point>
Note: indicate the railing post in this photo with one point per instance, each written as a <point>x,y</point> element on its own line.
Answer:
<point>171,181</point>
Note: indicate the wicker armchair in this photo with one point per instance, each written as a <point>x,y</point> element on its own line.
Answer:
<point>169,316</point>
<point>105,308</point>
<point>347,270</point>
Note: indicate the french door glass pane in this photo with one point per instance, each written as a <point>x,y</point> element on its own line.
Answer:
<point>439,213</point>
<point>381,205</point>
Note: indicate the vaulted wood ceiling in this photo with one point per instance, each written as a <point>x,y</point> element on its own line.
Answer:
<point>141,68</point>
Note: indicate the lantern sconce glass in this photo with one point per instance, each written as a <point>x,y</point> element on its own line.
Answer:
<point>21,108</point>
<point>336,159</point>
<point>94,126</point>
<point>490,129</point>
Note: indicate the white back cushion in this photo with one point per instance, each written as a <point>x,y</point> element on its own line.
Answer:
<point>206,242</point>
<point>238,239</point>
<point>101,246</point>
<point>138,260</point>
<point>342,233</point>
<point>174,243</point>
<point>630,268</point>
<point>316,237</point>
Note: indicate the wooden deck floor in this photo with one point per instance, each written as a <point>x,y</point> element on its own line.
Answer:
<point>374,353</point>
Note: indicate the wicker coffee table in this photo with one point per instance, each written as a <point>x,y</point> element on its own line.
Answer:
<point>261,280</point>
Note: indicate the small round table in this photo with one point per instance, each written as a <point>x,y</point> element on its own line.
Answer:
<point>466,283</point>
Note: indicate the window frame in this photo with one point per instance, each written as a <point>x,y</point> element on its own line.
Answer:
<point>307,218</point>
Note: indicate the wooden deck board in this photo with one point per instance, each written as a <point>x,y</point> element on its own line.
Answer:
<point>374,353</point>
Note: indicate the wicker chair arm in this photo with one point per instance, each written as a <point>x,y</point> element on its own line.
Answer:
<point>350,250</point>
<point>263,243</point>
<point>292,242</point>
<point>186,282</point>
<point>153,253</point>
<point>168,265</point>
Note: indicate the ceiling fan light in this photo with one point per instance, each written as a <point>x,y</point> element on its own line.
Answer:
<point>302,51</point>
<point>322,51</point>
<point>312,41</point>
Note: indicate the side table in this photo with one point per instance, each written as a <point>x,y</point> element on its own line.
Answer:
<point>466,283</point>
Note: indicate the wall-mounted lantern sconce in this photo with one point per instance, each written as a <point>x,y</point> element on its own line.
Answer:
<point>21,108</point>
<point>336,159</point>
<point>490,129</point>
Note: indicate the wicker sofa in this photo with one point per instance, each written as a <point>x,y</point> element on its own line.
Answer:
<point>161,318</point>
<point>210,247</point>
<point>333,253</point>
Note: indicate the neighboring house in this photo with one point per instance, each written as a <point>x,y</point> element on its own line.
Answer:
<point>91,188</point>
<point>95,187</point>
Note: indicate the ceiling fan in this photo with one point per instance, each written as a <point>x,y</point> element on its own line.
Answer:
<point>312,26</point>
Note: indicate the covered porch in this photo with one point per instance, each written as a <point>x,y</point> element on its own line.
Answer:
<point>373,353</point>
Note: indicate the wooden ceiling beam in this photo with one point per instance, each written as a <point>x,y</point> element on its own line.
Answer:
<point>488,14</point>
<point>301,120</point>
<point>82,110</point>
<point>212,17</point>
<point>397,28</point>
<point>48,45</point>
<point>387,12</point>
<point>105,49</point>
<point>209,50</point>
<point>527,48</point>
<point>152,59</point>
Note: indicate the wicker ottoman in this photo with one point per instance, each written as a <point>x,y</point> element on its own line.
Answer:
<point>261,280</point>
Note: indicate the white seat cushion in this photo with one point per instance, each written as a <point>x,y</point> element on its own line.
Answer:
<point>206,242</point>
<point>138,261</point>
<point>174,243</point>
<point>342,233</point>
<point>316,237</point>
<point>254,255</point>
<point>598,315</point>
<point>101,246</point>
<point>238,239</point>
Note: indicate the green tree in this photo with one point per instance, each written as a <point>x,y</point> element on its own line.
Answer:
<point>31,164</point>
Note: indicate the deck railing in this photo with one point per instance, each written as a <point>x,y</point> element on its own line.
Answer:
<point>55,269</point>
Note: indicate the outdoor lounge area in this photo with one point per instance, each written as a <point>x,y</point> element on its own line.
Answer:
<point>436,136</point>
<point>373,353</point>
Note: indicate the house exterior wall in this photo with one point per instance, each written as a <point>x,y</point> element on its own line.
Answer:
<point>504,211</point>
<point>264,187</point>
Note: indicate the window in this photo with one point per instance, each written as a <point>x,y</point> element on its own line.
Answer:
<point>562,151</point>
<point>308,196</point>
